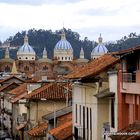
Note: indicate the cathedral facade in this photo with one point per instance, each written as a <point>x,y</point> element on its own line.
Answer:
<point>29,66</point>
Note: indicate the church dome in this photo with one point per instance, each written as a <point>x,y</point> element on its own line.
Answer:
<point>100,49</point>
<point>63,44</point>
<point>26,52</point>
<point>63,50</point>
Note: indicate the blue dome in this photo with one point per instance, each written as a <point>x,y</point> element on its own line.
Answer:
<point>26,48</point>
<point>26,52</point>
<point>100,48</point>
<point>63,44</point>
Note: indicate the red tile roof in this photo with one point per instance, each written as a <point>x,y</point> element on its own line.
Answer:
<point>50,91</point>
<point>62,132</point>
<point>39,130</point>
<point>129,50</point>
<point>94,67</point>
<point>19,90</point>
<point>132,132</point>
<point>64,118</point>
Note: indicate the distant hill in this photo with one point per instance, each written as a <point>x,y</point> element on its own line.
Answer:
<point>41,38</point>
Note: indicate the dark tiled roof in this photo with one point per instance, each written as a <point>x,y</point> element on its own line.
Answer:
<point>94,67</point>
<point>10,85</point>
<point>58,113</point>
<point>54,91</point>
<point>39,130</point>
<point>11,77</point>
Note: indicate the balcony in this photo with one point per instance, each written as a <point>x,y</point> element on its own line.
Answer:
<point>130,83</point>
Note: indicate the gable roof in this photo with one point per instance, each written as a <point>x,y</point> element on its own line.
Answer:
<point>94,67</point>
<point>11,77</point>
<point>8,87</point>
<point>50,91</point>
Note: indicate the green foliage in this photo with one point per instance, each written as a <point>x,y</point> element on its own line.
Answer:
<point>41,38</point>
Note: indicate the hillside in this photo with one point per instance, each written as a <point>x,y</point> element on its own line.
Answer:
<point>41,38</point>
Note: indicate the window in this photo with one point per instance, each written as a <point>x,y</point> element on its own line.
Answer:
<point>80,114</point>
<point>26,58</point>
<point>112,113</point>
<point>26,68</point>
<point>7,69</point>
<point>76,113</point>
<point>83,122</point>
<point>90,123</point>
<point>87,124</point>
<point>76,133</point>
<point>45,68</point>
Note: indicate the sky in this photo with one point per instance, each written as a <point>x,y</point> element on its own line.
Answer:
<point>112,18</point>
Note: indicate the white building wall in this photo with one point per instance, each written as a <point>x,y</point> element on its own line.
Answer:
<point>113,88</point>
<point>83,96</point>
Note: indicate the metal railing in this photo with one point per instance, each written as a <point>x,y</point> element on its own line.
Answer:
<point>129,77</point>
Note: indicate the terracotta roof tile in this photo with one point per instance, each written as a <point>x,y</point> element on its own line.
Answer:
<point>64,118</point>
<point>39,130</point>
<point>50,91</point>
<point>129,50</point>
<point>19,90</point>
<point>62,132</point>
<point>131,132</point>
<point>94,67</point>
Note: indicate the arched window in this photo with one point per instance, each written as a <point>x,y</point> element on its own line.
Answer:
<point>45,68</point>
<point>7,69</point>
<point>26,68</point>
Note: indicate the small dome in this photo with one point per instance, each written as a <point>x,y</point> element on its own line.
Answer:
<point>26,52</point>
<point>99,50</point>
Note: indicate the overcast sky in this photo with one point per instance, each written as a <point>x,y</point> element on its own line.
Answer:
<point>112,18</point>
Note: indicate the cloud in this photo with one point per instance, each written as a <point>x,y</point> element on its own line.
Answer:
<point>98,12</point>
<point>37,2</point>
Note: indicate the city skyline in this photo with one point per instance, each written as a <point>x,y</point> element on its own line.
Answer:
<point>113,19</point>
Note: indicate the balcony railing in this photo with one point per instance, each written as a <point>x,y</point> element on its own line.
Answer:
<point>129,77</point>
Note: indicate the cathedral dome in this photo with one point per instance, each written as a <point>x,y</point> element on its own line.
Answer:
<point>26,52</point>
<point>100,49</point>
<point>63,50</point>
<point>63,44</point>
